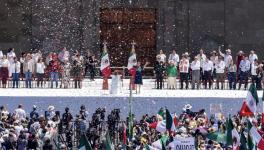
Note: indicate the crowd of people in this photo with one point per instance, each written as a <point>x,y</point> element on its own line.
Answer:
<point>51,68</point>
<point>201,131</point>
<point>194,71</point>
<point>203,69</point>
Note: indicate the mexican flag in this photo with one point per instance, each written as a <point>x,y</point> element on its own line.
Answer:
<point>84,144</point>
<point>160,126</point>
<point>170,126</point>
<point>232,137</point>
<point>148,147</point>
<point>254,137</point>
<point>161,114</point>
<point>161,143</point>
<point>249,106</point>
<point>108,143</point>
<point>105,63</point>
<point>132,60</point>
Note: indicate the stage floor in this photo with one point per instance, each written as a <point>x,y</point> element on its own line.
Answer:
<point>148,101</point>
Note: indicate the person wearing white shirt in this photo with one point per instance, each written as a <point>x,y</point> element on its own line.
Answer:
<point>253,70</point>
<point>184,70</point>
<point>245,68</point>
<point>162,56</point>
<point>28,68</point>
<point>227,57</point>
<point>208,68</point>
<point>20,113</point>
<point>10,56</point>
<point>22,60</point>
<point>196,66</point>
<point>220,72</point>
<point>174,57</point>
<point>40,70</point>
<point>4,70</point>
<point>15,69</point>
<point>252,57</point>
<point>64,55</point>
<point>232,69</point>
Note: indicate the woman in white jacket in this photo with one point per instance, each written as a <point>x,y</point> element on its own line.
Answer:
<point>40,68</point>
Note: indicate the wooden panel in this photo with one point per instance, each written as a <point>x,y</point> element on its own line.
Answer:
<point>120,26</point>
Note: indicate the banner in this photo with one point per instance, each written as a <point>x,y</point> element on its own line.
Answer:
<point>182,144</point>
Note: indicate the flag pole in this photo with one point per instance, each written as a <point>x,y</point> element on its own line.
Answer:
<point>130,123</point>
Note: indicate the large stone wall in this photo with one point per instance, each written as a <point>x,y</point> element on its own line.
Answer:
<point>185,25</point>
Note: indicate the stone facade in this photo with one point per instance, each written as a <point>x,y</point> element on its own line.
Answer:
<point>186,25</point>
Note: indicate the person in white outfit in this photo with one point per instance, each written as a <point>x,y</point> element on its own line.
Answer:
<point>220,72</point>
<point>196,66</point>
<point>10,56</point>
<point>15,70</point>
<point>40,70</point>
<point>20,113</point>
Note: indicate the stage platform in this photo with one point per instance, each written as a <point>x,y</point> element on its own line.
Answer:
<point>148,101</point>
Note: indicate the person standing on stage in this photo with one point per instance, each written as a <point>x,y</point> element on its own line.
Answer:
<point>22,61</point>
<point>240,56</point>
<point>66,76</point>
<point>10,56</point>
<point>196,66</point>
<point>15,69</point>
<point>159,70</point>
<point>4,71</point>
<point>138,76</point>
<point>232,69</point>
<point>172,74</point>
<point>208,68</point>
<point>245,68</point>
<point>174,57</point>
<point>252,57</point>
<point>28,68</point>
<point>214,59</point>
<point>201,57</point>
<point>40,70</point>
<point>92,66</point>
<point>184,71</point>
<point>227,57</point>
<point>162,56</point>
<point>55,68</point>
<point>77,71</point>
<point>63,55</point>
<point>220,72</point>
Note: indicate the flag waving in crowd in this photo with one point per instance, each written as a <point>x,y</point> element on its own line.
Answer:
<point>249,106</point>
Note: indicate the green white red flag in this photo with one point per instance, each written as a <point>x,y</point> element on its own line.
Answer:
<point>105,63</point>
<point>249,106</point>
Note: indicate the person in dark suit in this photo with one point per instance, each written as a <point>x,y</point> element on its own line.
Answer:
<point>92,66</point>
<point>159,70</point>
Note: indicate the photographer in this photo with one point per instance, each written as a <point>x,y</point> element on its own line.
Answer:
<point>67,126</point>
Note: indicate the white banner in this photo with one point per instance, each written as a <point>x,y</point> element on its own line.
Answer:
<point>183,144</point>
